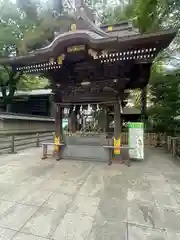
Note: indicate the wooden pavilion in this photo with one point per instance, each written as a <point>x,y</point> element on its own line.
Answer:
<point>88,64</point>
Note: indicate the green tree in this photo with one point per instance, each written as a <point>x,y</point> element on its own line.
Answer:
<point>8,85</point>
<point>30,82</point>
<point>165,94</point>
<point>149,16</point>
<point>24,26</point>
<point>124,11</point>
<point>42,25</point>
<point>135,98</point>
<point>10,34</point>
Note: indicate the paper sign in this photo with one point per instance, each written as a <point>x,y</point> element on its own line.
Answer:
<point>136,140</point>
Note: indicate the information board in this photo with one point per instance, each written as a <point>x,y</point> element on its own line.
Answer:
<point>136,140</point>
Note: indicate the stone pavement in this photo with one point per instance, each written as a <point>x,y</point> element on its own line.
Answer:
<point>70,200</point>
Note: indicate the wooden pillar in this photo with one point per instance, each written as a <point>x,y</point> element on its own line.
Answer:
<point>52,108</point>
<point>117,129</point>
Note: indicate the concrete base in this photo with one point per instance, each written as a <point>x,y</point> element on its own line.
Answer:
<point>86,148</point>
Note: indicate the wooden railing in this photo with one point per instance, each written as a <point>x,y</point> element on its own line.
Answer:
<point>11,142</point>
<point>150,139</point>
<point>173,146</point>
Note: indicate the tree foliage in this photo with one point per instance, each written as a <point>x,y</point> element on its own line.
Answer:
<point>165,95</point>
<point>25,26</point>
<point>8,83</point>
<point>149,16</point>
<point>124,11</point>
<point>30,82</point>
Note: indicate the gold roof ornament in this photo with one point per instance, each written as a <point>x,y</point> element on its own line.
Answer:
<point>73,27</point>
<point>93,53</point>
<point>77,48</point>
<point>110,28</point>
<point>60,59</point>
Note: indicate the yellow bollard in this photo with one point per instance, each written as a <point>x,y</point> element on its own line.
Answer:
<point>56,141</point>
<point>117,144</point>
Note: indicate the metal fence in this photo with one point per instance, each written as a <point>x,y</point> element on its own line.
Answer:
<point>13,142</point>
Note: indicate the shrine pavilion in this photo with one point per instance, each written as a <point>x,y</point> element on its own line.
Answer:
<point>91,64</point>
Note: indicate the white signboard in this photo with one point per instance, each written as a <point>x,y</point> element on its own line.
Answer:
<point>136,140</point>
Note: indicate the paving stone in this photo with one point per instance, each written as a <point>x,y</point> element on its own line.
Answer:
<point>104,229</point>
<point>33,182</point>
<point>176,192</point>
<point>6,234</point>
<point>58,201</point>
<point>116,179</point>
<point>39,170</point>
<point>77,174</point>
<point>138,184</point>
<point>43,223</point>
<point>172,178</point>
<point>69,187</point>
<point>163,199</point>
<point>84,205</point>
<point>160,185</point>
<point>5,206</point>
<point>144,233</point>
<point>155,176</point>
<point>170,219</point>
<point>170,235</point>
<point>143,213</point>
<point>145,196</point>
<point>13,176</point>
<point>22,236</point>
<point>71,171</point>
<point>36,198</point>
<point>51,185</point>
<point>113,209</point>
<point>93,186</point>
<point>74,227</point>
<point>115,191</point>
<point>12,193</point>
<point>16,216</point>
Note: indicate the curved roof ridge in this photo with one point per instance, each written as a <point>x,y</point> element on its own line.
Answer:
<point>89,32</point>
<point>93,26</point>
